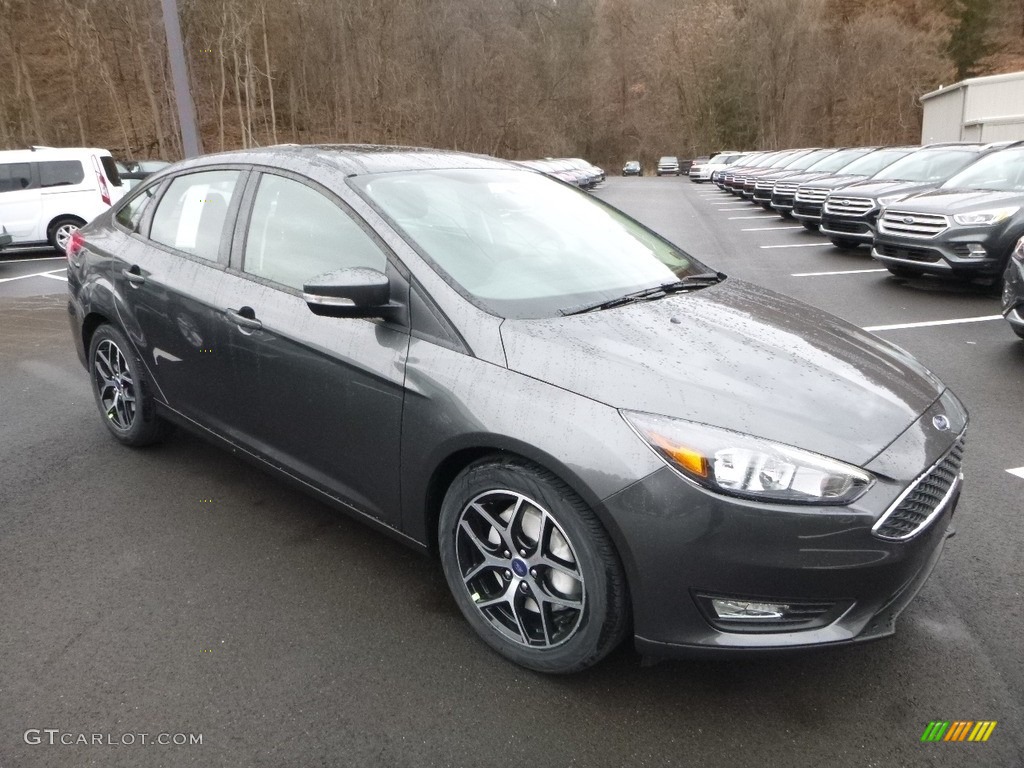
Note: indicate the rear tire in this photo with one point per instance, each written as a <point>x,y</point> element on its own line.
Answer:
<point>122,391</point>
<point>60,232</point>
<point>531,567</point>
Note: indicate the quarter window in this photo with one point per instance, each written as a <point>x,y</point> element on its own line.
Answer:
<point>58,173</point>
<point>192,213</point>
<point>131,213</point>
<point>296,233</point>
<point>15,177</point>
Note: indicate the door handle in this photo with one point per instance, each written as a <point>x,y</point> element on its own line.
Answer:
<point>242,320</point>
<point>134,276</point>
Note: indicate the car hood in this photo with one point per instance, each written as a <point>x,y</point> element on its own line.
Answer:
<point>833,182</point>
<point>735,356</point>
<point>803,177</point>
<point>876,189</point>
<point>959,201</point>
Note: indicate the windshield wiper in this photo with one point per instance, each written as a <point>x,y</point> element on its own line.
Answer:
<point>688,283</point>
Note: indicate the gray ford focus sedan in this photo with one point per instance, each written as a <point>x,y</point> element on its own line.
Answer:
<point>597,435</point>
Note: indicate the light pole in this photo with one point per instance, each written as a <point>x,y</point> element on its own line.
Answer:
<point>190,140</point>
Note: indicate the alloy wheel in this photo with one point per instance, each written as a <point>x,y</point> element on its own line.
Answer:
<point>114,383</point>
<point>520,569</point>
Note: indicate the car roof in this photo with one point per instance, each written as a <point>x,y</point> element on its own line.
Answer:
<point>355,159</point>
<point>48,153</point>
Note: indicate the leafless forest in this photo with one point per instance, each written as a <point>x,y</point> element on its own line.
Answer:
<point>604,79</point>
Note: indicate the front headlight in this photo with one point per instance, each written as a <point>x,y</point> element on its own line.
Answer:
<point>889,199</point>
<point>741,465</point>
<point>986,218</point>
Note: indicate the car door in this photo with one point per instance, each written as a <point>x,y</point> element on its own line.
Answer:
<point>324,395</point>
<point>20,204</point>
<point>169,278</point>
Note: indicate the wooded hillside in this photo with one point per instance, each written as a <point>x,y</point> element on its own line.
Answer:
<point>604,79</point>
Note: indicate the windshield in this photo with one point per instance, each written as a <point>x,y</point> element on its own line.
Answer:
<point>809,159</point>
<point>928,165</point>
<point>875,161</point>
<point>838,159</point>
<point>520,245</point>
<point>784,160</point>
<point>1001,171</point>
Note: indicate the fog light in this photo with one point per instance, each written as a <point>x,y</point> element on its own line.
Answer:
<point>976,251</point>
<point>747,611</point>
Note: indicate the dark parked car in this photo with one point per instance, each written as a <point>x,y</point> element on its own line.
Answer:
<point>632,168</point>
<point>1013,290</point>
<point>964,229</point>
<point>810,196</point>
<point>765,182</point>
<point>598,434</point>
<point>850,214</point>
<point>784,190</point>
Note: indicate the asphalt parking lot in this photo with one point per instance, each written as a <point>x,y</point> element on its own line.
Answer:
<point>179,591</point>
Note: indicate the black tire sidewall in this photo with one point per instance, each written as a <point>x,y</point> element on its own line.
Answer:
<point>605,607</point>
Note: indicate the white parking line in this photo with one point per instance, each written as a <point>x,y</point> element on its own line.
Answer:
<point>63,278</point>
<point>34,274</point>
<point>798,245</point>
<point>1019,471</point>
<point>762,217</point>
<point>770,229</point>
<point>44,258</point>
<point>843,272</point>
<point>957,321</point>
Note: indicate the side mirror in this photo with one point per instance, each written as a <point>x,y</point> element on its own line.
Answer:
<point>355,292</point>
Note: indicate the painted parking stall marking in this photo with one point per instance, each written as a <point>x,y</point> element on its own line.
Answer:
<point>930,323</point>
<point>838,272</point>
<point>769,229</point>
<point>798,245</point>
<point>1017,472</point>
<point>51,274</point>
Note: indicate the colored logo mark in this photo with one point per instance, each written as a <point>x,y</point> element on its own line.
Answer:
<point>958,730</point>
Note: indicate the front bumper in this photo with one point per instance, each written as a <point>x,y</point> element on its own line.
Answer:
<point>807,211</point>
<point>782,202</point>
<point>945,254</point>
<point>687,543</point>
<point>1013,296</point>
<point>857,228</point>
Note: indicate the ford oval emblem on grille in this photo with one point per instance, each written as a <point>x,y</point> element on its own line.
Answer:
<point>844,202</point>
<point>908,219</point>
<point>940,422</point>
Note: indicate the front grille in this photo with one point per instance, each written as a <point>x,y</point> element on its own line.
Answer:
<point>784,188</point>
<point>853,227</point>
<point>811,195</point>
<point>911,224</point>
<point>764,186</point>
<point>910,254</point>
<point>807,209</point>
<point>920,503</point>
<point>848,206</point>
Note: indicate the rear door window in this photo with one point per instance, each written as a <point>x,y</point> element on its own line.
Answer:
<point>191,215</point>
<point>59,173</point>
<point>15,177</point>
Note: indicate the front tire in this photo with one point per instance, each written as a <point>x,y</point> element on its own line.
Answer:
<point>844,243</point>
<point>121,390</point>
<point>904,273</point>
<point>531,567</point>
<point>810,226</point>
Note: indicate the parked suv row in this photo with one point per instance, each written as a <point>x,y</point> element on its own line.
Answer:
<point>954,209</point>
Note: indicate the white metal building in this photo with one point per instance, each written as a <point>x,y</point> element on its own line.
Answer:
<point>979,109</point>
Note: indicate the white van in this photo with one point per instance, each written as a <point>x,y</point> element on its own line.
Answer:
<point>48,193</point>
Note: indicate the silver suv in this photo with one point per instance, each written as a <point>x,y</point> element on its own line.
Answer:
<point>668,165</point>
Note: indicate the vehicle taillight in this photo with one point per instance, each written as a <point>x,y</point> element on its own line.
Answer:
<point>104,192</point>
<point>75,244</point>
